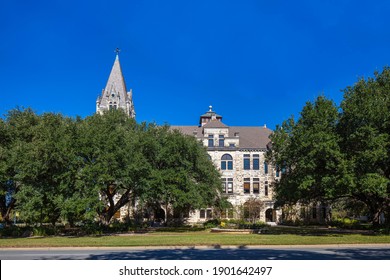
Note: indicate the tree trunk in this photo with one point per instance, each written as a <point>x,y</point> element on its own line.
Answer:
<point>113,207</point>
<point>6,211</point>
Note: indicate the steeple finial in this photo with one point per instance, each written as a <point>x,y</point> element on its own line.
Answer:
<point>210,108</point>
<point>117,50</point>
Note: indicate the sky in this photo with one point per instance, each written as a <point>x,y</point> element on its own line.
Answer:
<point>256,62</point>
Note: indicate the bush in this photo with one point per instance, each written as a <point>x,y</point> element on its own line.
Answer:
<point>212,223</point>
<point>345,223</point>
<point>43,231</point>
<point>241,224</point>
<point>11,231</point>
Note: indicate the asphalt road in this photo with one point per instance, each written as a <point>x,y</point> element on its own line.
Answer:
<point>329,252</point>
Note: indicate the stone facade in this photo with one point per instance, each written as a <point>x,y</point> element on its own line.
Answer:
<point>239,154</point>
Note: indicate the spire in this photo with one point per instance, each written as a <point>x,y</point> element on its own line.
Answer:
<point>116,80</point>
<point>115,94</point>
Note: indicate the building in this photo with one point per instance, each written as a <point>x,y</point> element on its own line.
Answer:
<point>237,151</point>
<point>239,154</point>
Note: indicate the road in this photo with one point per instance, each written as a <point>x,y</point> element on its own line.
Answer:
<point>328,252</point>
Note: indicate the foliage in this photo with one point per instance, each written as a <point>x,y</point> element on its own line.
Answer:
<point>212,223</point>
<point>365,131</point>
<point>251,209</point>
<point>181,175</point>
<point>58,169</point>
<point>329,154</point>
<point>345,223</point>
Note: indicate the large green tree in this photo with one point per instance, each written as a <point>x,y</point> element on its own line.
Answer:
<point>309,155</point>
<point>16,133</point>
<point>114,169</point>
<point>365,132</point>
<point>329,154</point>
<point>46,170</point>
<point>182,176</point>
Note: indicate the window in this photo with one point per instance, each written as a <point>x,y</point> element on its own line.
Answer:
<point>247,162</point>
<point>277,174</point>
<point>314,212</point>
<point>202,214</point>
<point>256,186</point>
<point>227,214</point>
<point>232,145</point>
<point>221,142</point>
<point>211,140</point>
<point>265,167</point>
<point>256,162</point>
<point>247,185</point>
<point>266,188</point>
<point>226,162</point>
<point>227,185</point>
<point>230,213</point>
<point>205,214</point>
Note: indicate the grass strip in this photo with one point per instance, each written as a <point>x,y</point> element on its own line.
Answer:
<point>193,239</point>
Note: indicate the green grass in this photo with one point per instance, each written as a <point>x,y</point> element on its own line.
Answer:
<point>194,238</point>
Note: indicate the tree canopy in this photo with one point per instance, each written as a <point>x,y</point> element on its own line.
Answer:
<point>331,152</point>
<point>54,168</point>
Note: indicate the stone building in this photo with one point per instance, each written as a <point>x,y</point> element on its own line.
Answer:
<point>237,151</point>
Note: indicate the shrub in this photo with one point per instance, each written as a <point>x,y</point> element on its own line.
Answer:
<point>11,231</point>
<point>345,223</point>
<point>43,231</point>
<point>212,223</point>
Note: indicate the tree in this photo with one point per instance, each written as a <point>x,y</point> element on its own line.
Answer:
<point>309,153</point>
<point>16,132</point>
<point>365,132</point>
<point>330,155</point>
<point>47,169</point>
<point>251,209</point>
<point>114,169</point>
<point>182,176</point>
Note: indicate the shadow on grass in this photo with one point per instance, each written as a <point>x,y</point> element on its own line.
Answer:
<point>334,232</point>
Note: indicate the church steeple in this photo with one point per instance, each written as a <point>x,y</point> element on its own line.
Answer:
<point>115,94</point>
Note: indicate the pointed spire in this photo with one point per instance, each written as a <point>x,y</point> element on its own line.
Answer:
<point>116,81</point>
<point>115,94</point>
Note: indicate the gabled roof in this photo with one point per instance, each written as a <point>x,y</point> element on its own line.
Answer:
<point>251,137</point>
<point>215,124</point>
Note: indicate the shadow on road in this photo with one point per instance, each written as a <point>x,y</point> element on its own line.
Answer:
<point>241,254</point>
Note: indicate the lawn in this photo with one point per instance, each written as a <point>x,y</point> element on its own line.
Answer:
<point>205,238</point>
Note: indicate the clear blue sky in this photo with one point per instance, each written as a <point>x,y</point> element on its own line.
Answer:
<point>256,62</point>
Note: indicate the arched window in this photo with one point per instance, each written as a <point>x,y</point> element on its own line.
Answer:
<point>226,162</point>
<point>265,167</point>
